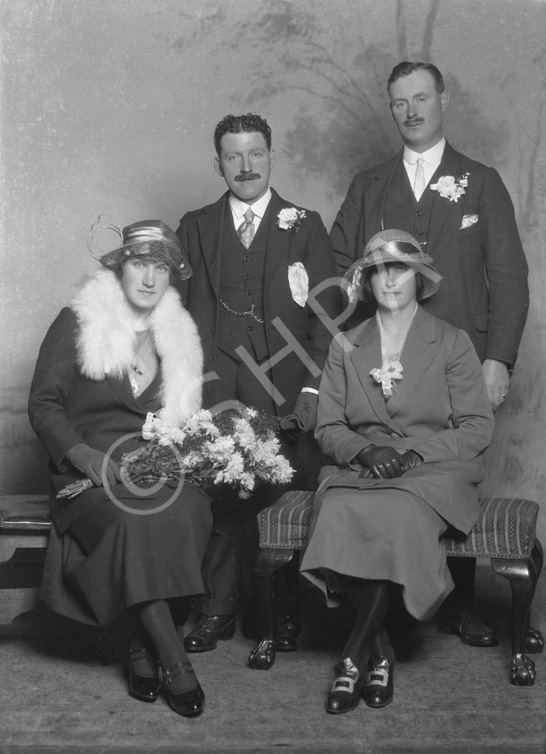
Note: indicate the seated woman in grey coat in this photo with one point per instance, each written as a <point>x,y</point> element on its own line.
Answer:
<point>405,419</point>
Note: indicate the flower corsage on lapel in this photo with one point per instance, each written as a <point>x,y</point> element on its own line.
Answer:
<point>451,186</point>
<point>290,218</point>
<point>386,376</point>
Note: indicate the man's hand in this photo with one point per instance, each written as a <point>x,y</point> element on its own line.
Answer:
<point>303,418</point>
<point>94,464</point>
<point>382,461</point>
<point>497,381</point>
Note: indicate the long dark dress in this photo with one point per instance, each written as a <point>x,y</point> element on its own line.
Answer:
<point>109,549</point>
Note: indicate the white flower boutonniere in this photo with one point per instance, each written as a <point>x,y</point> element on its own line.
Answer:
<point>450,186</point>
<point>290,217</point>
<point>386,376</point>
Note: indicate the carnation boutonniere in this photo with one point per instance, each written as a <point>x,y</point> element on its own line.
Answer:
<point>386,376</point>
<point>290,217</point>
<point>451,186</point>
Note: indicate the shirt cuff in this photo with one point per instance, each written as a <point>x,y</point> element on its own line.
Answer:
<point>309,390</point>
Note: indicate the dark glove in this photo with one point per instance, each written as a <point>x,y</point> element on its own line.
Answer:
<point>382,461</point>
<point>92,463</point>
<point>410,459</point>
<point>303,418</point>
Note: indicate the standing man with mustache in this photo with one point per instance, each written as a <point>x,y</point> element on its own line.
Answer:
<point>256,261</point>
<point>462,215</point>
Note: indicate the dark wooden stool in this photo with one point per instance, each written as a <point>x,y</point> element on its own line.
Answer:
<point>24,533</point>
<point>505,533</point>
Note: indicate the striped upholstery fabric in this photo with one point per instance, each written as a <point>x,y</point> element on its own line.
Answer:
<point>285,525</point>
<point>505,529</point>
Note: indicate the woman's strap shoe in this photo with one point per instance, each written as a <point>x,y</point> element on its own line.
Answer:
<point>143,687</point>
<point>188,703</point>
<point>378,689</point>
<point>344,695</point>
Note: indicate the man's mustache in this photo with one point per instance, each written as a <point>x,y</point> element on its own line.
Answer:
<point>247,176</point>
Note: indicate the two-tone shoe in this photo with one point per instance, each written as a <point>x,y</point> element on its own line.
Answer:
<point>378,689</point>
<point>344,694</point>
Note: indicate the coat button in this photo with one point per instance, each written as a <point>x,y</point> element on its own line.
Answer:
<point>211,358</point>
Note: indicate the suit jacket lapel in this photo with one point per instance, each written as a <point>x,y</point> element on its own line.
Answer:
<point>277,241</point>
<point>376,196</point>
<point>441,207</point>
<point>367,356</point>
<point>210,226</point>
<point>415,358</point>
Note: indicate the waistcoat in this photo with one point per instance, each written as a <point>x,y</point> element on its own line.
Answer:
<point>241,289</point>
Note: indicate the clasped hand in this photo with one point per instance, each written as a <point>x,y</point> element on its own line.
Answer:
<point>383,462</point>
<point>94,464</point>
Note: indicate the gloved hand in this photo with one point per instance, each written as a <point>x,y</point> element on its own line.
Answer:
<point>382,461</point>
<point>303,418</point>
<point>410,459</point>
<point>90,462</point>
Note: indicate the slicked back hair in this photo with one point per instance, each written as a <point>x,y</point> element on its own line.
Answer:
<point>406,68</point>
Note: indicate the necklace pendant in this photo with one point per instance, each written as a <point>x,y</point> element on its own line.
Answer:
<point>135,387</point>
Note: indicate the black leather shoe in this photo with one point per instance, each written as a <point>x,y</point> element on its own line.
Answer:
<point>285,639</point>
<point>344,694</point>
<point>188,703</point>
<point>378,690</point>
<point>143,687</point>
<point>469,627</point>
<point>206,633</point>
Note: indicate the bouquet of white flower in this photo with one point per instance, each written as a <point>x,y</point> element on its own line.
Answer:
<point>233,448</point>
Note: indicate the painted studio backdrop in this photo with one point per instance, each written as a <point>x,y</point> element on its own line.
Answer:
<point>109,107</point>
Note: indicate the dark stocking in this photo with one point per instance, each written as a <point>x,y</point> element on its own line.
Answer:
<point>463,571</point>
<point>180,608</point>
<point>155,617</point>
<point>372,600</point>
<point>143,665</point>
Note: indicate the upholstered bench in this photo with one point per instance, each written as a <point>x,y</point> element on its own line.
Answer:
<point>24,532</point>
<point>505,533</point>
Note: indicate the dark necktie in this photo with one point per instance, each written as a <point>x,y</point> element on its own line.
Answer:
<point>246,229</point>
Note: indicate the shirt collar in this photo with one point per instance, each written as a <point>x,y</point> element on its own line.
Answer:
<point>432,155</point>
<point>239,208</point>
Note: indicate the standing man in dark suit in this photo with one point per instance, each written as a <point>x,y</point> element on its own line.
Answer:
<point>462,215</point>
<point>257,261</point>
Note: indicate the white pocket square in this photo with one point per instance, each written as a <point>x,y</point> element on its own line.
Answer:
<point>468,220</point>
<point>298,280</point>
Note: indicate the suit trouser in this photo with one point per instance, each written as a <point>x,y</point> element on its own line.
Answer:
<point>234,538</point>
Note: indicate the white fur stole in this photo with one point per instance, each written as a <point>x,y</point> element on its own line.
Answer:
<point>107,340</point>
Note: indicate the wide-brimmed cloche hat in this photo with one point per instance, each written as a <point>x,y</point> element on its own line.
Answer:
<point>386,247</point>
<point>147,238</point>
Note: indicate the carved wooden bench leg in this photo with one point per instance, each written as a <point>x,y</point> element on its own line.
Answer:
<point>265,568</point>
<point>534,641</point>
<point>523,577</point>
